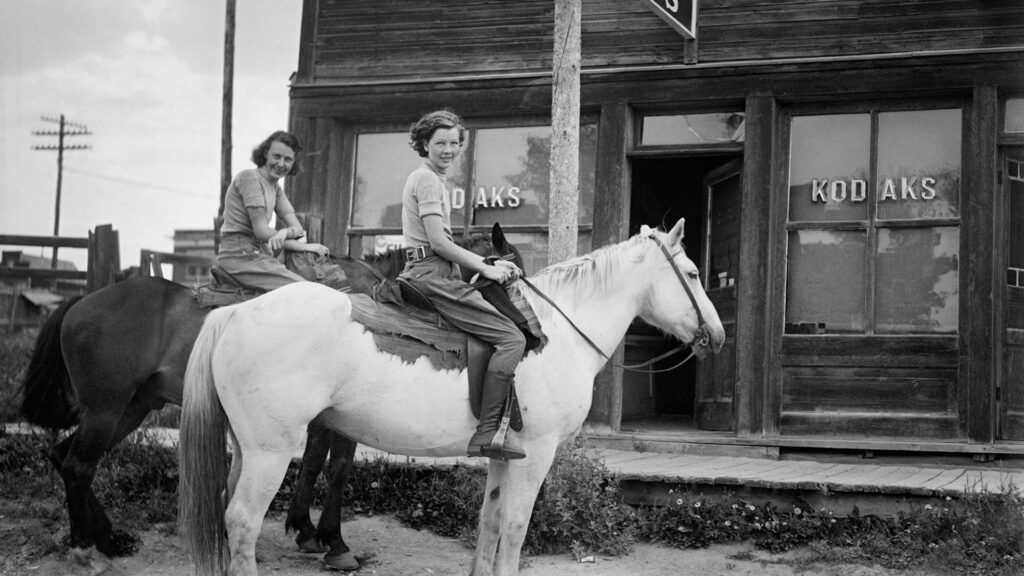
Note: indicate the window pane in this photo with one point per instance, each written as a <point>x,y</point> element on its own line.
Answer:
<point>513,170</point>
<point>1013,120</point>
<point>383,162</point>
<point>825,280</point>
<point>829,167</point>
<point>917,280</point>
<point>1015,258</point>
<point>919,164</point>
<point>692,129</point>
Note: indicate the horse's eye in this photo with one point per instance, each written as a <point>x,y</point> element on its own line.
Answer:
<point>694,275</point>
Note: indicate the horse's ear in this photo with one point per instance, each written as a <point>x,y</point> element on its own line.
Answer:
<point>498,239</point>
<point>645,230</point>
<point>676,235</point>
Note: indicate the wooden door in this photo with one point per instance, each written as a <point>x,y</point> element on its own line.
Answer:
<point>716,376</point>
<point>1011,386</point>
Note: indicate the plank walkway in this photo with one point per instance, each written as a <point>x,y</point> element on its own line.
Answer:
<point>820,476</point>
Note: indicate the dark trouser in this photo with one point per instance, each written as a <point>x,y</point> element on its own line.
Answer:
<point>465,308</point>
<point>251,264</point>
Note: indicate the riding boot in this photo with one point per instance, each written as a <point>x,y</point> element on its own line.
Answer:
<point>491,438</point>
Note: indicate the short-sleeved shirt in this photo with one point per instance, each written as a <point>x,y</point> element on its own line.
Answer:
<point>251,189</point>
<point>426,192</point>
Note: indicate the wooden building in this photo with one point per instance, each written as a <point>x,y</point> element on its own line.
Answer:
<point>849,170</point>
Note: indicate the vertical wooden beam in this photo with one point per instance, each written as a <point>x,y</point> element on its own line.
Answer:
<point>227,97</point>
<point>611,225</point>
<point>104,258</point>
<point>563,201</point>
<point>752,334</point>
<point>307,42</point>
<point>978,323</point>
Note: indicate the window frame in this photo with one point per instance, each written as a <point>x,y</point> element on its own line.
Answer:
<point>871,224</point>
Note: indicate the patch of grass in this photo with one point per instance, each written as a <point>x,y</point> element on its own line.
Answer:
<point>15,351</point>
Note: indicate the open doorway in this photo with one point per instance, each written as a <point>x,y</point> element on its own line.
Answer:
<point>704,190</point>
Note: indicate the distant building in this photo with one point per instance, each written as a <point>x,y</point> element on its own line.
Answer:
<point>27,302</point>
<point>193,243</point>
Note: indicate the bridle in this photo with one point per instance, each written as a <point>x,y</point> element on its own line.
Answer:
<point>701,338</point>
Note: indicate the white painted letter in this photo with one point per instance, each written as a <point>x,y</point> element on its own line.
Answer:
<point>672,5</point>
<point>927,188</point>
<point>858,190</point>
<point>838,190</point>
<point>907,188</point>
<point>818,189</point>
<point>481,198</point>
<point>496,197</point>
<point>889,190</point>
<point>513,197</point>
<point>458,198</point>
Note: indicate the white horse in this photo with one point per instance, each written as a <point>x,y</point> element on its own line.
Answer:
<point>273,364</point>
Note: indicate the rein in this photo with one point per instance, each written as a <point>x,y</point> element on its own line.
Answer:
<point>700,339</point>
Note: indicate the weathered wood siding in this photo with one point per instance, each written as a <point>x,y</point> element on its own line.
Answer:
<point>367,40</point>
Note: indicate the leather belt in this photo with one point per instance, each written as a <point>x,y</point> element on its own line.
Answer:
<point>418,253</point>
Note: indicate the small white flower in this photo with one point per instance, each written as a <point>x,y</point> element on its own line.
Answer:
<point>375,485</point>
<point>728,523</point>
<point>796,511</point>
<point>679,502</point>
<point>696,504</point>
<point>927,506</point>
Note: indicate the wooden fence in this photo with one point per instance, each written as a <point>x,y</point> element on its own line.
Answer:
<point>103,268</point>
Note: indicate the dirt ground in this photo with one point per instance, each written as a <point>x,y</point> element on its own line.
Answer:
<point>387,548</point>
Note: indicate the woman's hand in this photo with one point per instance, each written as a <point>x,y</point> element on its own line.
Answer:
<point>501,272</point>
<point>276,241</point>
<point>318,249</point>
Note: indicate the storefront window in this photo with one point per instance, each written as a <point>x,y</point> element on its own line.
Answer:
<point>829,163</point>
<point>511,178</point>
<point>383,162</point>
<point>682,129</point>
<point>825,282</point>
<point>1013,115</point>
<point>917,280</point>
<point>918,177</point>
<point>886,234</point>
<point>1015,258</point>
<point>501,176</point>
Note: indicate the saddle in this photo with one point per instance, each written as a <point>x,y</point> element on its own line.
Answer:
<point>224,290</point>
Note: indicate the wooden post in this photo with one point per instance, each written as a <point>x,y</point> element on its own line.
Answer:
<point>104,258</point>
<point>563,199</point>
<point>227,98</point>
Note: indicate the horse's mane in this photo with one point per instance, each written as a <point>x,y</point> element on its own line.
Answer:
<point>580,277</point>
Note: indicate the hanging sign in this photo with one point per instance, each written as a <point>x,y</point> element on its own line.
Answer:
<point>681,15</point>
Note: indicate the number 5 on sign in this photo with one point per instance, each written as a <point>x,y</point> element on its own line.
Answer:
<point>681,15</point>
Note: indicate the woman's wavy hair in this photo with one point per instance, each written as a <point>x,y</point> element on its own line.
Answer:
<point>424,128</point>
<point>259,153</point>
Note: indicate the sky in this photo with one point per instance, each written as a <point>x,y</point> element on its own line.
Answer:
<point>146,78</point>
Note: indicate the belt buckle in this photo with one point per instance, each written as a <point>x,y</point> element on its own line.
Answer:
<point>417,253</point>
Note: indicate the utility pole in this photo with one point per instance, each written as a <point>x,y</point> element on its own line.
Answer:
<point>226,103</point>
<point>65,129</point>
<point>563,201</point>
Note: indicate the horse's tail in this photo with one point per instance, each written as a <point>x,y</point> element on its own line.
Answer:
<point>203,464</point>
<point>48,398</point>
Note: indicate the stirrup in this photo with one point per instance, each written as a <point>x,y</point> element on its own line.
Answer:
<point>496,449</point>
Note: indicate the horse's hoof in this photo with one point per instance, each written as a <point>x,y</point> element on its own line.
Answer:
<point>343,561</point>
<point>312,546</point>
<point>96,562</point>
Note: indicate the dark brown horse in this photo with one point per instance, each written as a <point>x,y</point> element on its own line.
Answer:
<point>104,361</point>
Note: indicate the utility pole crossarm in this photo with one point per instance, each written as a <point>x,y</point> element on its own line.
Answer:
<point>66,129</point>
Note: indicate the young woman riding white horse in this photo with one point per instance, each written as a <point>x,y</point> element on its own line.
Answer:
<point>273,364</point>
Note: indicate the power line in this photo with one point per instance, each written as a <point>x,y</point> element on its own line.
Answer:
<point>137,183</point>
<point>66,129</point>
